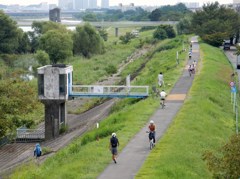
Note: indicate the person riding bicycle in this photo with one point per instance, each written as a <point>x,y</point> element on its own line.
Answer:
<point>163,95</point>
<point>152,129</point>
<point>191,69</point>
<point>190,54</point>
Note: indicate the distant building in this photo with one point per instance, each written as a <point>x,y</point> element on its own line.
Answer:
<point>105,4</point>
<point>92,4</point>
<point>52,6</point>
<point>191,5</point>
<point>81,4</point>
<point>66,4</point>
<point>54,15</point>
<point>127,7</point>
<point>44,6</point>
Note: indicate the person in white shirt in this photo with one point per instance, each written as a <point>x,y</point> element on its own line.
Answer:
<point>160,79</point>
<point>163,95</point>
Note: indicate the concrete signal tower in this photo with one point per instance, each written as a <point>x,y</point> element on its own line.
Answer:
<point>54,83</point>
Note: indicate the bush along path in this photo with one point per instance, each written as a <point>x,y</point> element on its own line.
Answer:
<point>133,155</point>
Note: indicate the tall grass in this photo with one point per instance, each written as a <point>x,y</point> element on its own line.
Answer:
<point>88,71</point>
<point>86,157</point>
<point>204,123</point>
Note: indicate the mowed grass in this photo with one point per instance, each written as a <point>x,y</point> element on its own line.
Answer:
<point>86,157</point>
<point>205,122</point>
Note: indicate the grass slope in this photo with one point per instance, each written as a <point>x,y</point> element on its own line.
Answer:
<point>204,123</point>
<point>86,157</point>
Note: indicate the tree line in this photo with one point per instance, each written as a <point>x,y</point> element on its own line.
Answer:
<point>172,13</point>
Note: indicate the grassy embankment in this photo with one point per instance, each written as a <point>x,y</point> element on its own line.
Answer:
<point>99,67</point>
<point>86,157</point>
<point>204,123</point>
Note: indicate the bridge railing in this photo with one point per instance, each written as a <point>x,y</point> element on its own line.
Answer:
<point>111,91</point>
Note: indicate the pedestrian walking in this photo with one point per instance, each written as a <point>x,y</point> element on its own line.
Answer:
<point>37,150</point>
<point>160,79</point>
<point>113,145</point>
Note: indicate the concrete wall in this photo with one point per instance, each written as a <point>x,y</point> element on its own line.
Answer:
<point>55,112</point>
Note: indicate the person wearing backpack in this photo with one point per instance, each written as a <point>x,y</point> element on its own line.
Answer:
<point>37,150</point>
<point>114,143</point>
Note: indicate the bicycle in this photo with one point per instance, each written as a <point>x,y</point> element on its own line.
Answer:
<point>151,143</point>
<point>155,91</point>
<point>191,70</point>
<point>162,103</point>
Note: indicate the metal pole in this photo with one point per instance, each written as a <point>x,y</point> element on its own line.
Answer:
<point>177,59</point>
<point>236,118</point>
<point>234,102</point>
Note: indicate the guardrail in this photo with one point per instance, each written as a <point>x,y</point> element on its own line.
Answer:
<point>109,91</point>
<point>24,134</point>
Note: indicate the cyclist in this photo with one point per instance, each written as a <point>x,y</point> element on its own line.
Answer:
<point>191,69</point>
<point>190,54</point>
<point>163,95</point>
<point>152,129</point>
<point>114,143</point>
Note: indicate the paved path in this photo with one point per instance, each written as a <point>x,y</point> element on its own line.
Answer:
<point>134,154</point>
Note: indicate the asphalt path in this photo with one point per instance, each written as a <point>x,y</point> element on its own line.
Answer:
<point>134,154</point>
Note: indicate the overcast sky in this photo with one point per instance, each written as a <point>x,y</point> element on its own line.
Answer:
<point>116,2</point>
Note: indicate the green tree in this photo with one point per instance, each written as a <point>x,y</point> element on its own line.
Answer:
<point>172,13</point>
<point>40,28</point>
<point>90,17</point>
<point>87,41</point>
<point>169,30</point>
<point>126,38</point>
<point>215,20</point>
<point>160,33</point>
<point>184,26</point>
<point>155,15</point>
<point>103,33</point>
<point>16,109</point>
<point>42,57</point>
<point>24,43</point>
<point>9,34</point>
<point>58,45</point>
<point>225,162</point>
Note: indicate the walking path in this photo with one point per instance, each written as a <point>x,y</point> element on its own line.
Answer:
<point>134,154</point>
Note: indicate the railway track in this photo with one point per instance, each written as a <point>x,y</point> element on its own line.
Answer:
<point>12,155</point>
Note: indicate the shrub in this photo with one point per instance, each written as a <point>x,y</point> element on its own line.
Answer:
<point>111,69</point>
<point>63,129</point>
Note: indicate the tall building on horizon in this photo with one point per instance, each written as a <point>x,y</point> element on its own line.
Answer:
<point>236,1</point>
<point>66,4</point>
<point>81,4</point>
<point>105,4</point>
<point>92,4</point>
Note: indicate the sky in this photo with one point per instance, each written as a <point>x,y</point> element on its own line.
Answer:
<point>116,2</point>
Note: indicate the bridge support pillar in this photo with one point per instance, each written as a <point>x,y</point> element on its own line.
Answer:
<point>55,118</point>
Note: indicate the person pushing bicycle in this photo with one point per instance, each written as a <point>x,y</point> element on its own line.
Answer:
<point>152,129</point>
